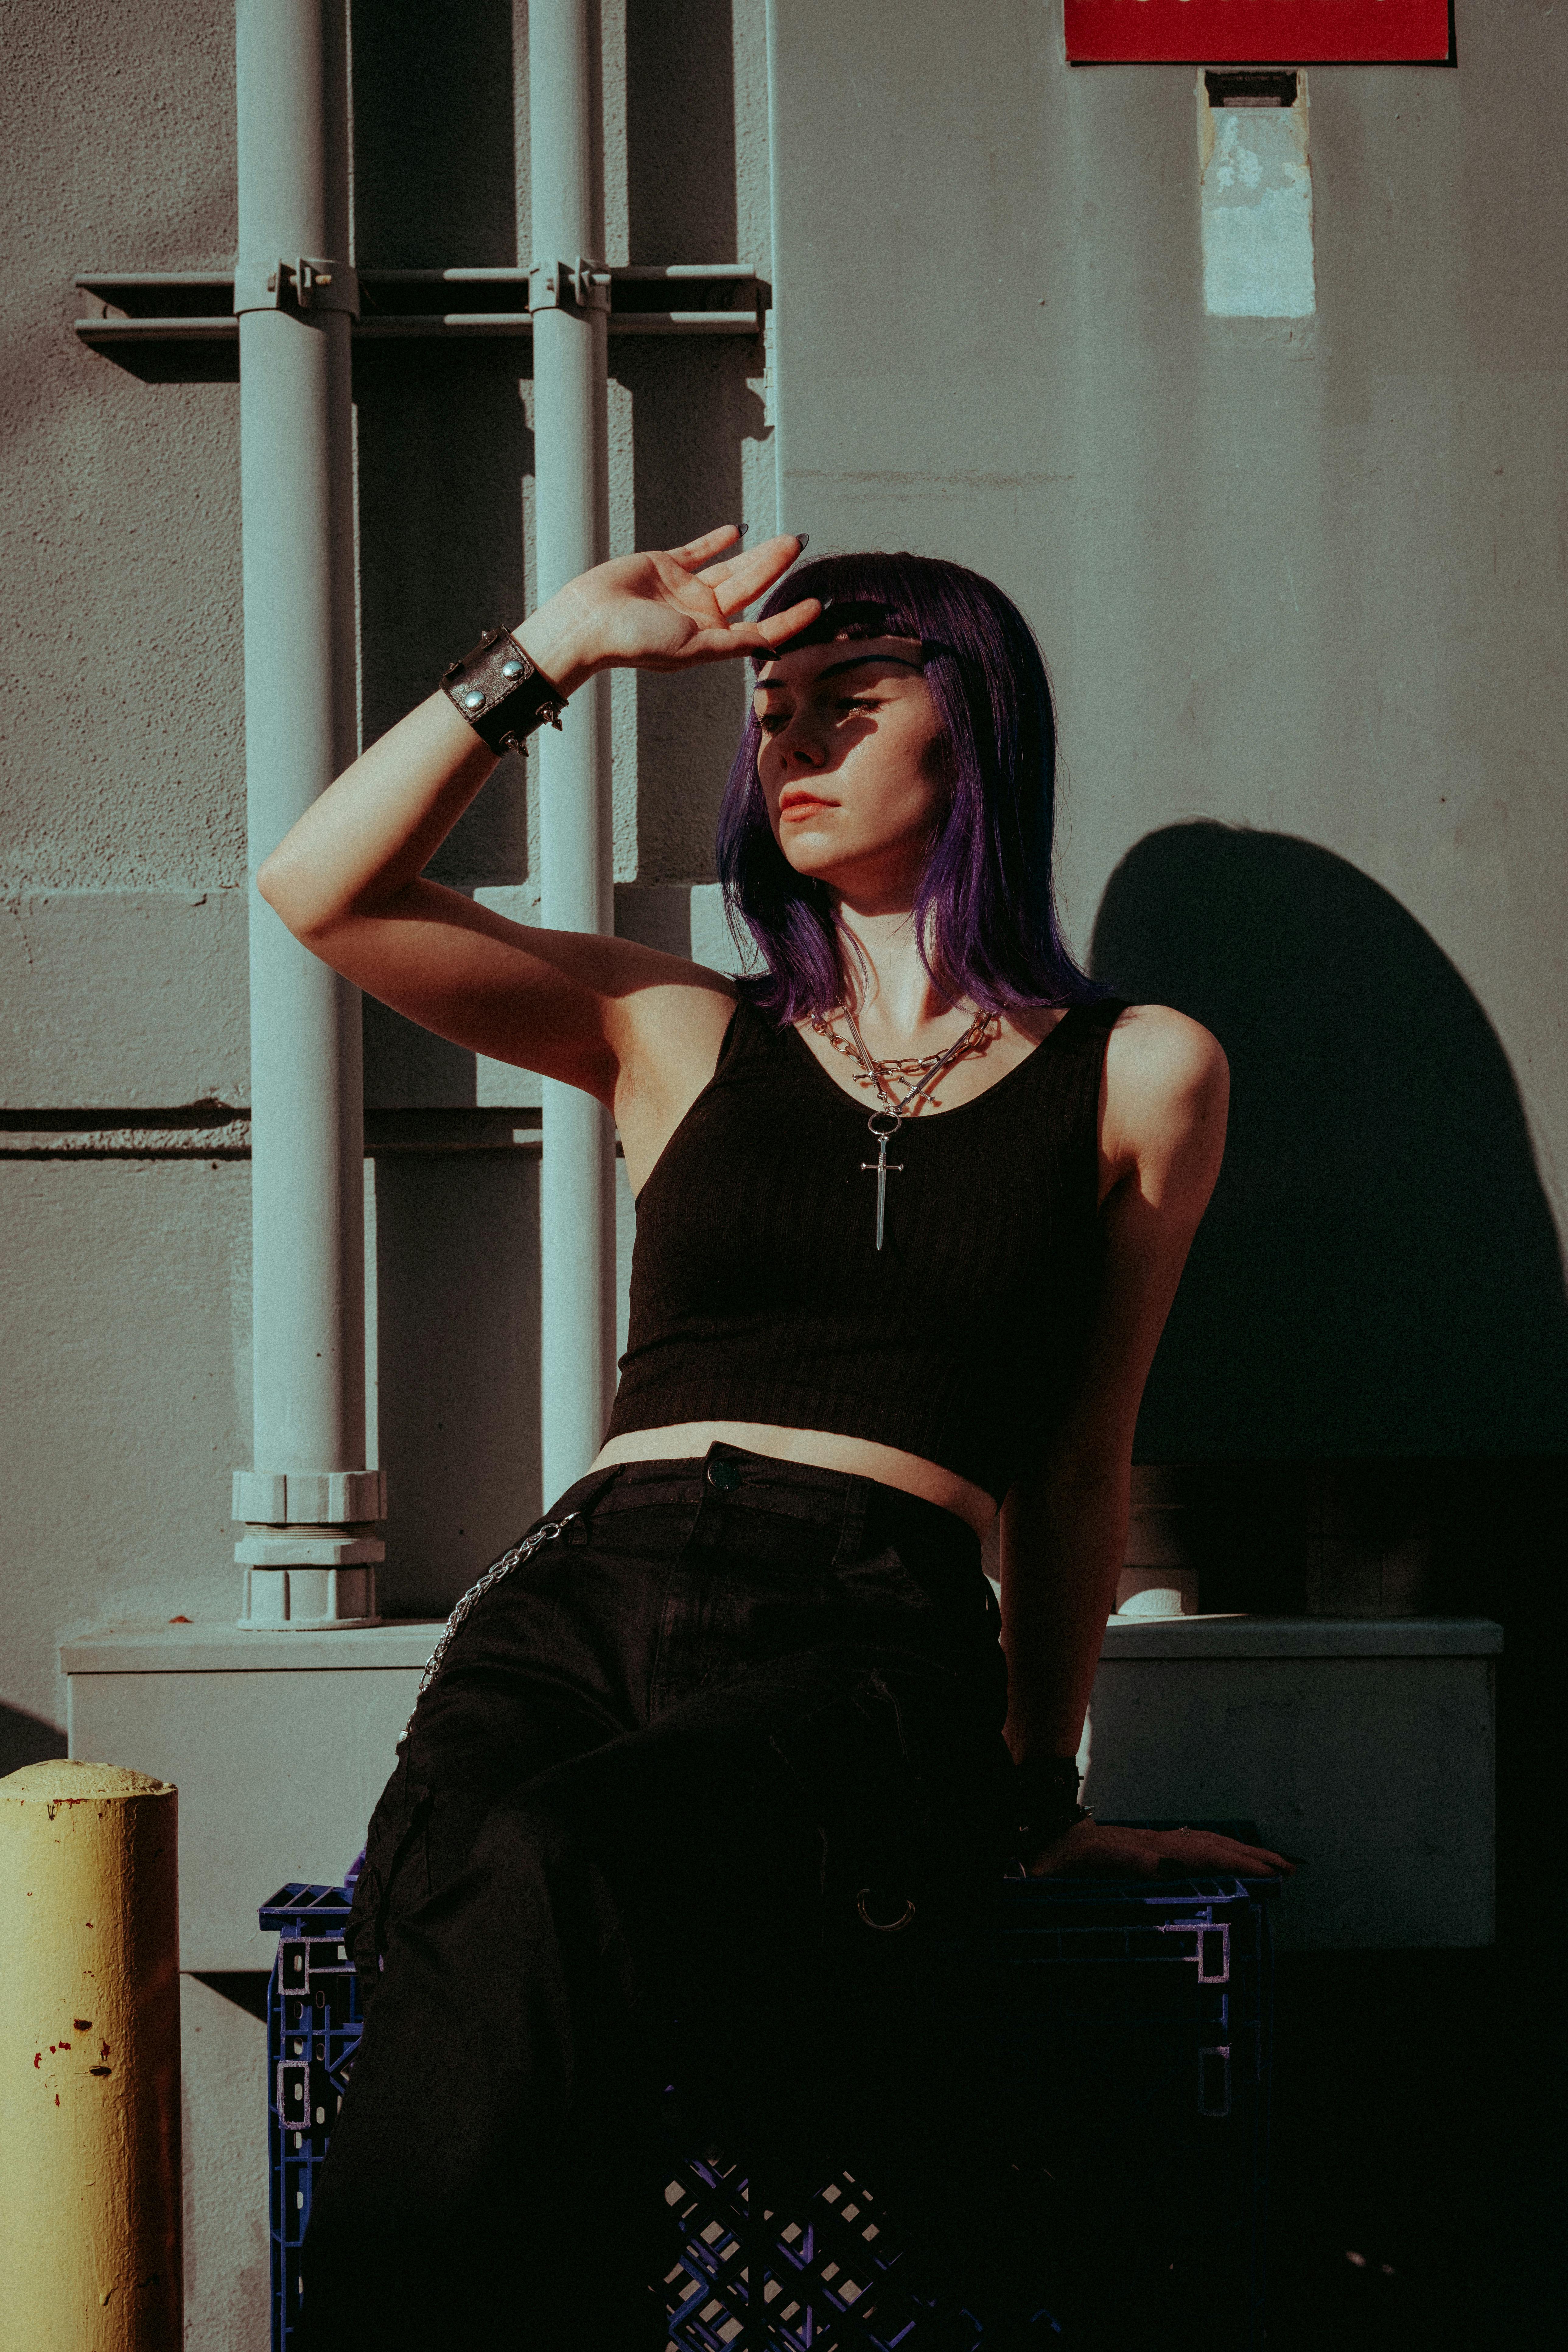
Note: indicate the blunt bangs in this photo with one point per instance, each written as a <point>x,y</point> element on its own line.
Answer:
<point>985,908</point>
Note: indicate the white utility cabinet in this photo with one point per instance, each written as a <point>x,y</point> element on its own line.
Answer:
<point>1366,1746</point>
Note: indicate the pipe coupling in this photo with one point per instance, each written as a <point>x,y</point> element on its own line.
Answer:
<point>307,282</point>
<point>579,285</point>
<point>313,1497</point>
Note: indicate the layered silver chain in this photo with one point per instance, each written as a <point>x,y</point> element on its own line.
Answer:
<point>504,1566</point>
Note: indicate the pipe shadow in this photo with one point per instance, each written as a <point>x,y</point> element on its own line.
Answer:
<point>27,1739</point>
<point>457,1246</point>
<point>691,409</point>
<point>680,130</point>
<point>444,446</point>
<point>1378,1273</point>
<point>435,149</point>
<point>691,405</point>
<point>444,443</point>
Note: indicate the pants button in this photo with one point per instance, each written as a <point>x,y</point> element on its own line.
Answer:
<point>725,1475</point>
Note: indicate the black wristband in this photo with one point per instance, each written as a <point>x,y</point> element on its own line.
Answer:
<point>501,694</point>
<point>1044,1798</point>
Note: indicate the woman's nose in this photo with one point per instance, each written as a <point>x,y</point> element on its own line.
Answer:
<point>800,747</point>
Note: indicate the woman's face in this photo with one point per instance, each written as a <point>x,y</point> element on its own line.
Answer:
<point>852,765</point>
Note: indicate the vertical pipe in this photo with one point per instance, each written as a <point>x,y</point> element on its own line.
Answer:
<point>89,2062</point>
<point>296,513</point>
<point>781,499</point>
<point>571,527</point>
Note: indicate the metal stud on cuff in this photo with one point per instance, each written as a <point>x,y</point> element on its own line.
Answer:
<point>500,693</point>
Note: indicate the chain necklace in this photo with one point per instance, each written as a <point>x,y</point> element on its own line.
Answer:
<point>885,1123</point>
<point>901,1065</point>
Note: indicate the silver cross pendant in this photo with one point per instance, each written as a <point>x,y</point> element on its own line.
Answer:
<point>884,1125</point>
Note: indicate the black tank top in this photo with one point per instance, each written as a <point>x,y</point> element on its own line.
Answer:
<point>758,1294</point>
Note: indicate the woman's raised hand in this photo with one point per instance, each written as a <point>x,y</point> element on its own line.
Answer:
<point>670,610</point>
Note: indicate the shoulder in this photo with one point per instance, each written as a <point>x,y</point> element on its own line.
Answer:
<point>1155,1055</point>
<point>670,1027</point>
<point>1167,1086</point>
<point>668,1011</point>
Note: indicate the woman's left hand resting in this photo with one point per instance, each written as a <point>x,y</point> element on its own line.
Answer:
<point>1108,1850</point>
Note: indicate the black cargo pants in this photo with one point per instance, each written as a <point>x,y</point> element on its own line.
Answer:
<point>694,1789</point>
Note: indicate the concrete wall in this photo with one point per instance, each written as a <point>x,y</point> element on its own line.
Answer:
<point>1301,585</point>
<point>123,1043</point>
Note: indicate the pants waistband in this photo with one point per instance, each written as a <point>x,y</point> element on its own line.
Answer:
<point>870,1513</point>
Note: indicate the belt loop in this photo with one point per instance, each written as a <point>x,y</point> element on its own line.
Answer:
<point>587,1493</point>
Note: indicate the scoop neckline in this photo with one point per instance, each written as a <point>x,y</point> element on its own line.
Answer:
<point>930,1118</point>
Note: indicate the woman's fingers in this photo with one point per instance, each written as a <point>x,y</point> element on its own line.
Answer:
<point>764,635</point>
<point>1202,1850</point>
<point>658,611</point>
<point>740,578</point>
<point>761,636</point>
<point>780,625</point>
<point>1107,1846</point>
<point>736,637</point>
<point>702,551</point>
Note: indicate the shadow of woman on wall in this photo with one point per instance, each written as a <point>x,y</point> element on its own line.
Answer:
<point>1378,1273</point>
<point>1375,1303</point>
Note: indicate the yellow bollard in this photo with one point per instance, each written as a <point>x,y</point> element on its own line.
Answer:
<point>89,2062</point>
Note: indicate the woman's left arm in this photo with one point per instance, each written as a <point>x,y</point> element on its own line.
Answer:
<point>1064,1530</point>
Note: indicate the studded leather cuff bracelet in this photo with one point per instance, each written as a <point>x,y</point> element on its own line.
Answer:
<point>1045,1798</point>
<point>500,693</point>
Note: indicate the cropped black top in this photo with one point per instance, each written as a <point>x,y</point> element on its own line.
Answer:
<point>758,1294</point>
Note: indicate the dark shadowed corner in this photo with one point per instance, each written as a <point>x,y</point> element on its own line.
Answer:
<point>26,1739</point>
<point>1378,1273</point>
<point>1371,1345</point>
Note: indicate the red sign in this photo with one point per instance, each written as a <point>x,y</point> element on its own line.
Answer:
<point>1257,32</point>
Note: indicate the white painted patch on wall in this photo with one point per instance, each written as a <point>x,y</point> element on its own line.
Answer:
<point>1256,208</point>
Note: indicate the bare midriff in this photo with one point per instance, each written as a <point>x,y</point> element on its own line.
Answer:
<point>826,1449</point>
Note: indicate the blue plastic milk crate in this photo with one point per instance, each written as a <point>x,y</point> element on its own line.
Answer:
<point>1119,2034</point>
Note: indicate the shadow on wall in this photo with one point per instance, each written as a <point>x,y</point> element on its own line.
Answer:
<point>457,1250</point>
<point>1378,1273</point>
<point>445,441</point>
<point>691,407</point>
<point>26,1739</point>
<point>435,140</point>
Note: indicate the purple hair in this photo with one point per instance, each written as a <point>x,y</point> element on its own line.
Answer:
<point>984,908</point>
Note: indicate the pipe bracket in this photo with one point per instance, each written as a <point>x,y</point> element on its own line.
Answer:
<point>582,285</point>
<point>309,283</point>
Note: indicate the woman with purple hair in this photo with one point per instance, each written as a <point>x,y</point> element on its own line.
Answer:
<point>740,1721</point>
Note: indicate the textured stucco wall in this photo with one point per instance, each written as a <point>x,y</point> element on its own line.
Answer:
<point>122,963</point>
<point>120,695</point>
<point>124,1390</point>
<point>223,2064</point>
<point>1301,585</point>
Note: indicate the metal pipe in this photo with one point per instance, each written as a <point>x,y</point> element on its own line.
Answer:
<point>307,1556</point>
<point>577,1218</point>
<point>773,34</point>
<point>89,2061</point>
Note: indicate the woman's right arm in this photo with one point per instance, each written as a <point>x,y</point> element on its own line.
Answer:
<point>348,879</point>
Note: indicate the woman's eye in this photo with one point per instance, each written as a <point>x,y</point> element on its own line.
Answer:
<point>771,721</point>
<point>858,702</point>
